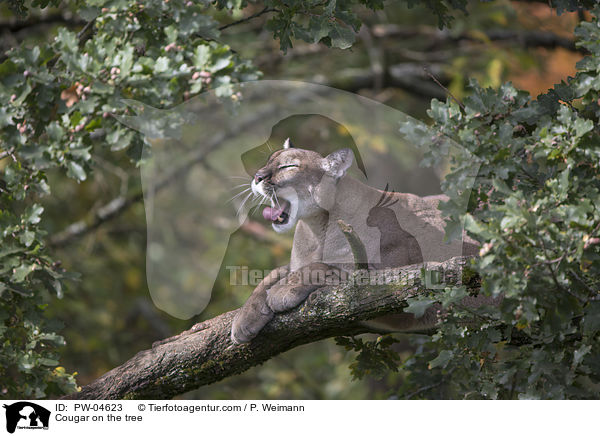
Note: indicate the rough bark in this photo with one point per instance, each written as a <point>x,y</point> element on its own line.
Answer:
<point>205,354</point>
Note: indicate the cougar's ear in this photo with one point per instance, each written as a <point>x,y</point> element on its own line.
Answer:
<point>288,144</point>
<point>338,162</point>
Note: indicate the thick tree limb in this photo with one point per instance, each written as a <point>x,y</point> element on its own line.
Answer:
<point>205,353</point>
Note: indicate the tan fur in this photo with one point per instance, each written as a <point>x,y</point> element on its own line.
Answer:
<point>396,229</point>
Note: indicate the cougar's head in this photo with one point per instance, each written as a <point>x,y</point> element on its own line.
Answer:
<point>299,183</point>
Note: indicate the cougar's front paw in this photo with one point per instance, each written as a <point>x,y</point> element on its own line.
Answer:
<point>248,322</point>
<point>279,298</point>
<point>285,297</point>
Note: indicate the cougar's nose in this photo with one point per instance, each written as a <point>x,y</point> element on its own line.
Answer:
<point>260,176</point>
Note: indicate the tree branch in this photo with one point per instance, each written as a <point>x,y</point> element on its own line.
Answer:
<point>205,354</point>
<point>408,76</point>
<point>7,153</point>
<point>251,17</point>
<point>14,26</point>
<point>526,38</point>
<point>458,102</point>
<point>358,249</point>
<point>95,219</point>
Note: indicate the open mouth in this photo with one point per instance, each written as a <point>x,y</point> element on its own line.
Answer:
<point>279,214</point>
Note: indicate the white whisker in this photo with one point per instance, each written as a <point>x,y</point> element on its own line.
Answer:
<point>276,199</point>
<point>239,211</point>
<point>238,194</point>
<point>239,186</point>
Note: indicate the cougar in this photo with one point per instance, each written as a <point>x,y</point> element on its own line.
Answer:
<point>313,194</point>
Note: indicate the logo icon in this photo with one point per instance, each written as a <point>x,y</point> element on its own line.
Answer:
<point>26,415</point>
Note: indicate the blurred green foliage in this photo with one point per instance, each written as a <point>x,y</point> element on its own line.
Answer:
<point>63,156</point>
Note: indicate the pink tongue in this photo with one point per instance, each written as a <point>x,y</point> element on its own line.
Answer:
<point>272,214</point>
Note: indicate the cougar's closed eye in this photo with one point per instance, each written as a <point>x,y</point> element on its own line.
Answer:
<point>280,167</point>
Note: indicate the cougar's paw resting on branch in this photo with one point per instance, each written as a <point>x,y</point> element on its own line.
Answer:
<point>271,297</point>
<point>298,285</point>
<point>255,313</point>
